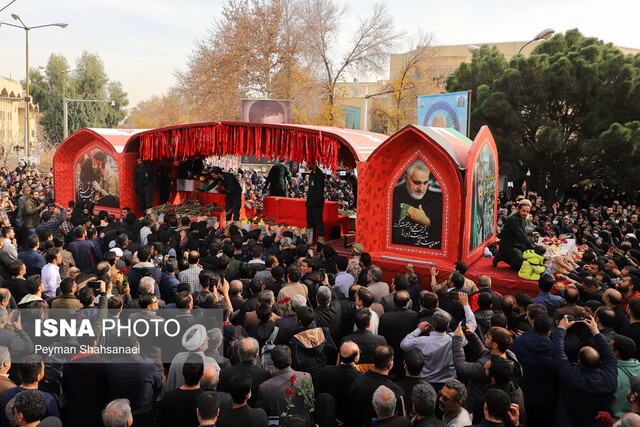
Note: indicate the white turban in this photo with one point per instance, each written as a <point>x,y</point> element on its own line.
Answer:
<point>195,336</point>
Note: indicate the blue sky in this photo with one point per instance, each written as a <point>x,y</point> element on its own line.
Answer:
<point>143,42</point>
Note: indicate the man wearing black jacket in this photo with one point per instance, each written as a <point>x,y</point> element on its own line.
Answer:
<point>233,190</point>
<point>364,386</point>
<point>240,387</point>
<point>248,352</point>
<point>366,341</point>
<point>397,324</point>
<point>142,269</point>
<point>337,380</point>
<point>585,389</point>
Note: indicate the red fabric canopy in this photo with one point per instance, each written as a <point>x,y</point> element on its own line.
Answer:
<point>313,144</point>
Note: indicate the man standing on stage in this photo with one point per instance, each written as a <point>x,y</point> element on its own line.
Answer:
<point>233,190</point>
<point>145,180</point>
<point>315,202</point>
<point>277,180</point>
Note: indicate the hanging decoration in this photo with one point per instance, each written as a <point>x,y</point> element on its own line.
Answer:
<point>219,139</point>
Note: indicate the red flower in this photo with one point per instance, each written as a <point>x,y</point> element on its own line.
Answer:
<point>284,300</point>
<point>124,271</point>
<point>293,378</point>
<point>289,392</point>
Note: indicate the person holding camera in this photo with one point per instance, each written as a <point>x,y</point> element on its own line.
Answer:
<point>585,388</point>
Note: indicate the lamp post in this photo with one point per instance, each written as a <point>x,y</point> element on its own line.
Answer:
<point>64,100</point>
<point>542,35</point>
<point>27,142</point>
<point>66,110</point>
<point>366,101</point>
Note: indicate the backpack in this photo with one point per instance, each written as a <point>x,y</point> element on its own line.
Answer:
<point>265,354</point>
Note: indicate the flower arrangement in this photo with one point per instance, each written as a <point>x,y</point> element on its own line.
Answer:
<point>258,220</point>
<point>347,212</point>
<point>303,388</point>
<point>250,204</point>
<point>122,280</point>
<point>284,306</point>
<point>553,244</point>
<point>191,207</point>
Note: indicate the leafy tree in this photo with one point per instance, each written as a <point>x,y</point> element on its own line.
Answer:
<point>88,81</point>
<point>552,111</point>
<point>253,50</point>
<point>159,111</point>
<point>281,49</point>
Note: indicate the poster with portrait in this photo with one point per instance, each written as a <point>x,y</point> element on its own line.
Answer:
<point>97,180</point>
<point>483,198</point>
<point>444,110</point>
<point>269,111</point>
<point>417,209</point>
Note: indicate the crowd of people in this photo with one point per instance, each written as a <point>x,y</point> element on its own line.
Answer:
<point>310,337</point>
<point>337,189</point>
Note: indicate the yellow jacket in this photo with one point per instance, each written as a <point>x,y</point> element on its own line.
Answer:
<point>532,266</point>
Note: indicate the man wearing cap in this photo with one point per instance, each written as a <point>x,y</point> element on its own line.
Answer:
<point>108,187</point>
<point>354,268</point>
<point>515,238</point>
<point>145,179</point>
<point>194,340</point>
<point>233,200</point>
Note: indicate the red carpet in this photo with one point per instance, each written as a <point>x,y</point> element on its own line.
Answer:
<point>503,279</point>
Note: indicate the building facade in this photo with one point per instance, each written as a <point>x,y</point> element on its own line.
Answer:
<point>442,61</point>
<point>12,116</point>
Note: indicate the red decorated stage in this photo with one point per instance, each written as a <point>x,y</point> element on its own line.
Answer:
<point>446,216</point>
<point>286,210</point>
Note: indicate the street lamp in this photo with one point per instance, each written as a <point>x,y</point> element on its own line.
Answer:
<point>27,142</point>
<point>64,100</point>
<point>542,35</point>
<point>366,100</point>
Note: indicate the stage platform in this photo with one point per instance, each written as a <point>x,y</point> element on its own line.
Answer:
<point>503,279</point>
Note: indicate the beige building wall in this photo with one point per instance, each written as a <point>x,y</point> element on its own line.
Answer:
<point>353,94</point>
<point>12,115</point>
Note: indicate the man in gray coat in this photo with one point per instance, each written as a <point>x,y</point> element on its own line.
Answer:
<point>273,393</point>
<point>379,289</point>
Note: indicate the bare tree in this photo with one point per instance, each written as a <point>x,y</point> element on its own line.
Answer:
<point>418,75</point>
<point>7,144</point>
<point>369,49</point>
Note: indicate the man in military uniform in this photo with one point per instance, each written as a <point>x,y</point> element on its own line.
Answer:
<point>107,185</point>
<point>145,179</point>
<point>278,174</point>
<point>515,239</point>
<point>315,202</point>
<point>233,200</point>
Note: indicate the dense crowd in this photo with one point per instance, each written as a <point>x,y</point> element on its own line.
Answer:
<point>337,188</point>
<point>309,337</point>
